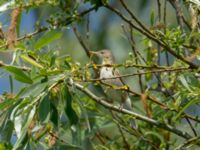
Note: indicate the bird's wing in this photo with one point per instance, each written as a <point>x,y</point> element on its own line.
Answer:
<point>116,73</point>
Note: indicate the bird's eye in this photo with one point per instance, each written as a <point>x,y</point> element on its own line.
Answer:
<point>101,52</point>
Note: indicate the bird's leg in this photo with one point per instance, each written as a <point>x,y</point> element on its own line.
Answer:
<point>121,106</point>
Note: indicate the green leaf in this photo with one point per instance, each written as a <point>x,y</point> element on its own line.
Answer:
<point>152,18</point>
<point>184,82</point>
<point>67,146</point>
<point>22,123</point>
<point>68,108</point>
<point>151,133</point>
<point>196,34</point>
<point>31,61</point>
<point>44,110</point>
<point>54,114</point>
<point>7,131</point>
<point>6,103</point>
<point>33,90</point>
<point>19,74</point>
<point>47,38</point>
<point>185,107</point>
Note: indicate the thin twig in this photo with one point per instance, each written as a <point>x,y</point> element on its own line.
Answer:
<point>2,64</point>
<point>191,126</point>
<point>99,137</point>
<point>152,37</point>
<point>78,36</point>
<point>179,14</point>
<point>135,18</point>
<point>159,10</point>
<point>126,144</point>
<point>143,73</point>
<point>190,141</point>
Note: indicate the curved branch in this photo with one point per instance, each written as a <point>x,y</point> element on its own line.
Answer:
<point>131,113</point>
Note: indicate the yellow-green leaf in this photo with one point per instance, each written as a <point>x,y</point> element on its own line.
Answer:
<point>31,61</point>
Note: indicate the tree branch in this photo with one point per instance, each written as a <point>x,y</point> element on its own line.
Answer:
<point>190,141</point>
<point>103,102</point>
<point>152,37</point>
<point>78,36</point>
<point>2,64</point>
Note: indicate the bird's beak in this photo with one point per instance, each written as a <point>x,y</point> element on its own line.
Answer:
<point>93,53</point>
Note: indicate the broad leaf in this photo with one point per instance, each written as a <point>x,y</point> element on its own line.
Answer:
<point>54,114</point>
<point>47,38</point>
<point>44,110</point>
<point>25,119</point>
<point>7,131</point>
<point>33,90</point>
<point>68,109</point>
<point>185,107</point>
<point>19,74</point>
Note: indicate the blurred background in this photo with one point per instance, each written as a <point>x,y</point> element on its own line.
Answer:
<point>105,32</point>
<point>101,29</point>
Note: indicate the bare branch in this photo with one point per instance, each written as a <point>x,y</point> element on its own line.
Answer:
<point>190,141</point>
<point>80,39</point>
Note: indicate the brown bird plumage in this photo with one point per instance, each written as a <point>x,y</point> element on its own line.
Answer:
<point>106,57</point>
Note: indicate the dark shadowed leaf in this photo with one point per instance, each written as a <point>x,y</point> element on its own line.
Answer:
<point>7,131</point>
<point>68,108</point>
<point>44,110</point>
<point>54,114</point>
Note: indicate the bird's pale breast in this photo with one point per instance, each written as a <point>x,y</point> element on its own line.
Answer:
<point>113,94</point>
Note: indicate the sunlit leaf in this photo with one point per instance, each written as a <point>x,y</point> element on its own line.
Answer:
<point>24,127</point>
<point>33,90</point>
<point>47,38</point>
<point>184,82</point>
<point>31,61</point>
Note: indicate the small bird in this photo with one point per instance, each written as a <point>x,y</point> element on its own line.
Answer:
<point>106,58</point>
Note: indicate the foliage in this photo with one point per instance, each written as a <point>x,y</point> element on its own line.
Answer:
<point>53,108</point>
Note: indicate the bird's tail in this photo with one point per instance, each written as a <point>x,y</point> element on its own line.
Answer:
<point>127,105</point>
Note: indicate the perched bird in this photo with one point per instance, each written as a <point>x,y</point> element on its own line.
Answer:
<point>106,58</point>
